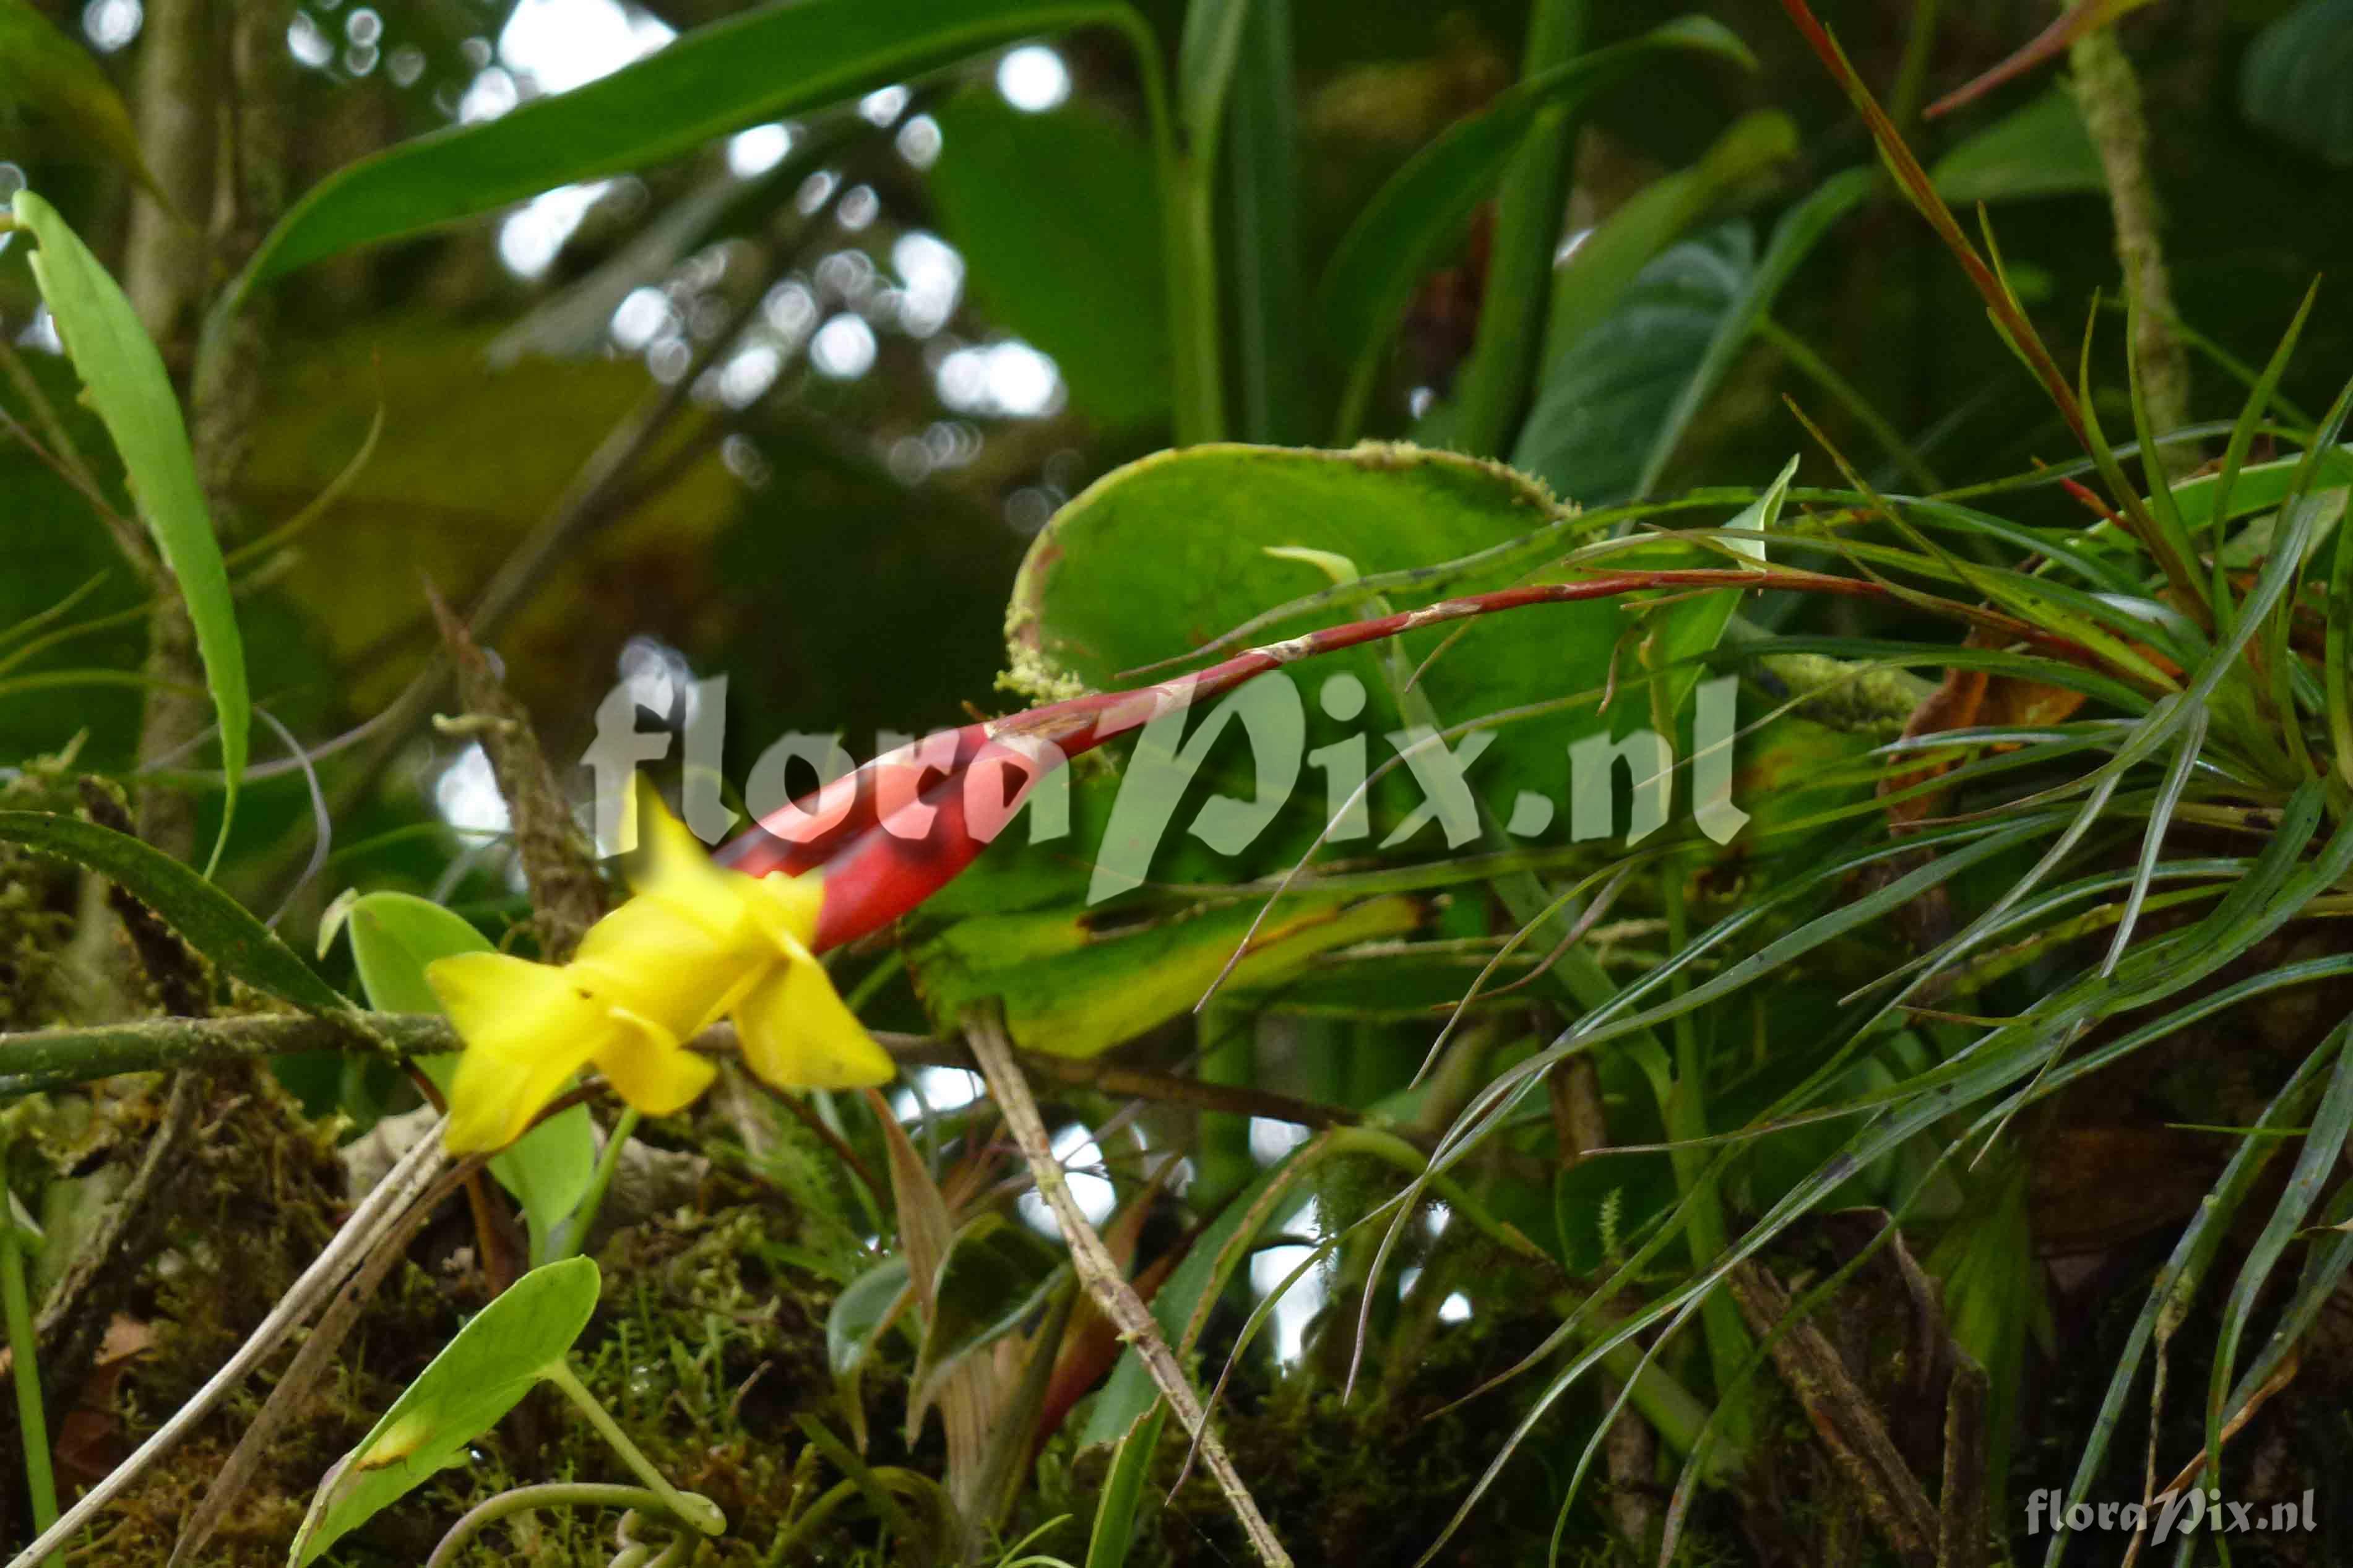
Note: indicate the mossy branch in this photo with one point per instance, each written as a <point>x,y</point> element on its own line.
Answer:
<point>2108,93</point>
<point>44,1059</point>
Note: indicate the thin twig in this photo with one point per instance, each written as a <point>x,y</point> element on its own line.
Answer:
<point>382,1208</point>
<point>309,1364</point>
<point>1104,1281</point>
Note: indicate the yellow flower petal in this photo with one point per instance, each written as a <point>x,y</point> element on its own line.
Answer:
<point>528,1029</point>
<point>786,908</point>
<point>796,1033</point>
<point>674,867</point>
<point>658,957</point>
<point>647,1066</point>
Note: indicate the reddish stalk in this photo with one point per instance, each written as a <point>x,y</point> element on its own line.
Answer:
<point>894,832</point>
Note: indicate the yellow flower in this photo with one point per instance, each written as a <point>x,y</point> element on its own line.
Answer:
<point>693,944</point>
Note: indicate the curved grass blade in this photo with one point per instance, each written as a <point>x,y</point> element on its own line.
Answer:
<point>214,923</point>
<point>764,64</point>
<point>133,397</point>
<point>2315,1163</point>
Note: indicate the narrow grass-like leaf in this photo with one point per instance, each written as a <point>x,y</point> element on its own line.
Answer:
<point>2168,796</point>
<point>1114,1528</point>
<point>1207,54</point>
<point>213,923</point>
<point>133,397</point>
<point>2201,1240</point>
<point>2315,1161</point>
<point>2162,508</point>
<point>2243,433</point>
<point>1266,275</point>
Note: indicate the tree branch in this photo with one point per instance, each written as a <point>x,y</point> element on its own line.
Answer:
<point>1104,1281</point>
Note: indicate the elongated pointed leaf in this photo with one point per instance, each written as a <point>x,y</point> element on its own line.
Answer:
<point>769,62</point>
<point>478,1376</point>
<point>213,923</point>
<point>133,397</point>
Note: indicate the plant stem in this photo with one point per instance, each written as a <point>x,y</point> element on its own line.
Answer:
<point>692,1508</point>
<point>1504,358</point>
<point>522,1499</point>
<point>1262,175</point>
<point>1186,189</point>
<point>25,1368</point>
<point>1685,1114</point>
<point>2109,95</point>
<point>571,1233</point>
<point>1104,1281</point>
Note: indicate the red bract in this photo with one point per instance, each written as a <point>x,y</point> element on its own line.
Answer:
<point>894,832</point>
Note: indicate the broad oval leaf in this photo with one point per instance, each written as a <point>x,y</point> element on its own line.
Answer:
<point>1589,285</point>
<point>133,397</point>
<point>394,937</point>
<point>214,923</point>
<point>1162,555</point>
<point>769,62</point>
<point>478,1376</point>
<point>1602,403</point>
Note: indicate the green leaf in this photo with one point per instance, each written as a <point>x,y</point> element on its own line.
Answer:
<point>394,937</point>
<point>1684,631</point>
<point>1206,55</point>
<point>2292,82</point>
<point>770,62</point>
<point>133,397</point>
<point>1587,287</point>
<point>2039,150</point>
<point>1794,238</point>
<point>867,1305</point>
<point>1604,400</point>
<point>996,1273</point>
<point>1072,990</point>
<point>45,71</point>
<point>478,1377</point>
<point>1399,235</point>
<point>214,923</point>
<point>1167,552</point>
<point>1113,1532</point>
<point>1061,233</point>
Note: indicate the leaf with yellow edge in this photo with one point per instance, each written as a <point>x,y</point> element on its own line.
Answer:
<point>478,1376</point>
